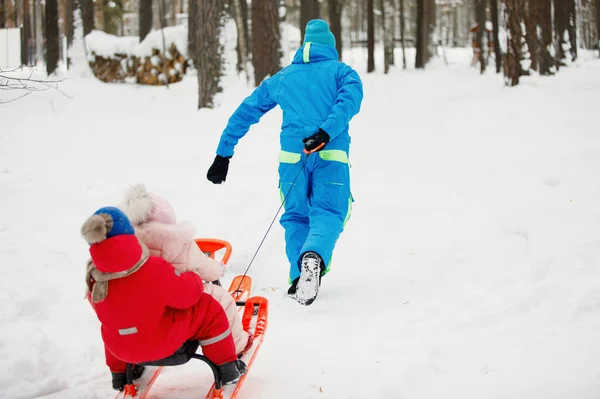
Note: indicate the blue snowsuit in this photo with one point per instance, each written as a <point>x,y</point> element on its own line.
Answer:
<point>315,91</point>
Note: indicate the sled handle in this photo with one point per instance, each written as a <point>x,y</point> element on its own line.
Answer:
<point>211,245</point>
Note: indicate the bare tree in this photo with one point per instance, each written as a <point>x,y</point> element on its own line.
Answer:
<point>572,28</point>
<point>265,30</point>
<point>370,36</point>
<point>208,50</point>
<point>3,8</point>
<point>496,34</point>
<point>192,30</point>
<point>26,34</point>
<point>421,56</point>
<point>598,24</point>
<point>481,20</point>
<point>531,34</point>
<point>145,16</point>
<point>387,19</point>
<point>335,21</point>
<point>309,9</point>
<point>242,50</point>
<point>70,22</point>
<point>52,47</point>
<point>512,59</point>
<point>547,63</point>
<point>402,33</point>
<point>99,14</point>
<point>560,29</point>
<point>87,15</point>
<point>14,81</point>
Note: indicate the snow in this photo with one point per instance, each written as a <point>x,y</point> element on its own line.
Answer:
<point>469,268</point>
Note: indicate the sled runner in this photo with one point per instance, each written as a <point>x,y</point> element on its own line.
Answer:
<point>254,320</point>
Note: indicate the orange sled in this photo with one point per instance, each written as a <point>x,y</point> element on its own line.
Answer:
<point>254,320</point>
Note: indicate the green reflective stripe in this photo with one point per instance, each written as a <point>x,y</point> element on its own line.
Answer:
<point>288,157</point>
<point>350,201</point>
<point>334,155</point>
<point>306,52</point>
<point>281,196</point>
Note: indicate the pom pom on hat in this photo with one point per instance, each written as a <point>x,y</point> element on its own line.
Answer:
<point>105,223</point>
<point>317,31</point>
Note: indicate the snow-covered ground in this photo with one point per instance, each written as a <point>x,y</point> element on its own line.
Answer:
<point>470,267</point>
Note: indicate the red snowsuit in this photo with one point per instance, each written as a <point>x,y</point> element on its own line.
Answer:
<point>150,313</point>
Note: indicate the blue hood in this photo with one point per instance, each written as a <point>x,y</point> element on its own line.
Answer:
<point>315,52</point>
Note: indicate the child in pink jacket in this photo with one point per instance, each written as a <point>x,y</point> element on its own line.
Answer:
<point>156,226</point>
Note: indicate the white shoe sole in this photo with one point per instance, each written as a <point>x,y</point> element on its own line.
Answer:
<point>308,285</point>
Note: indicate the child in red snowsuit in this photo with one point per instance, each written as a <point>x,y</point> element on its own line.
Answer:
<point>146,307</point>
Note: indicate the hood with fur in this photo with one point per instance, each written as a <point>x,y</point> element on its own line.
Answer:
<point>142,206</point>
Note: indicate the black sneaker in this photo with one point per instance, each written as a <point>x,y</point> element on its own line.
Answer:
<point>119,380</point>
<point>309,281</point>
<point>231,372</point>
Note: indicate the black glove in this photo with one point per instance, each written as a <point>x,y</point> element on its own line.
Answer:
<point>218,170</point>
<point>316,141</point>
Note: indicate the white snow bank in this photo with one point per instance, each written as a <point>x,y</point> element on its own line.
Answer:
<point>106,45</point>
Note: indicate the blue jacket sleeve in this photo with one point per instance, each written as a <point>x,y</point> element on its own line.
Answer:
<point>347,104</point>
<point>248,113</point>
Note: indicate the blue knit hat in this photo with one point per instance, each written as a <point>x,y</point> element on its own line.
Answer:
<point>317,31</point>
<point>105,223</point>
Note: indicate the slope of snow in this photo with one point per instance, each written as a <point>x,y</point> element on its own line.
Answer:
<point>469,268</point>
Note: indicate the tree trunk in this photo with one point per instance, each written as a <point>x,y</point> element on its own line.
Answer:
<point>512,60</point>
<point>481,34</point>
<point>496,35</point>
<point>146,18</point>
<point>370,36</point>
<point>87,15</point>
<point>455,23</point>
<point>598,25</point>
<point>572,28</point>
<point>421,36</point>
<point>242,46</point>
<point>208,51</point>
<point>531,18</point>
<point>192,29</point>
<point>39,32</point>
<point>546,61</point>
<point>387,17</point>
<point>309,9</point>
<point>265,30</point>
<point>52,47</point>
<point>335,19</point>
<point>430,16</point>
<point>70,22</point>
<point>99,11</point>
<point>3,8</point>
<point>25,34</point>
<point>402,32</point>
<point>560,28</point>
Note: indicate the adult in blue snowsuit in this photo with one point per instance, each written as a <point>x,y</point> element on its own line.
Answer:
<point>318,96</point>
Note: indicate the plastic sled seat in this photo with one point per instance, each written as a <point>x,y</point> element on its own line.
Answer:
<point>181,356</point>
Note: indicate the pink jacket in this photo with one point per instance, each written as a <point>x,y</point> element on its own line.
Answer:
<point>156,226</point>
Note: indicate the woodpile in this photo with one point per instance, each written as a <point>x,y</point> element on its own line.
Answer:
<point>155,70</point>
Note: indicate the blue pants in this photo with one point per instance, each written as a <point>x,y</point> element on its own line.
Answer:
<point>317,206</point>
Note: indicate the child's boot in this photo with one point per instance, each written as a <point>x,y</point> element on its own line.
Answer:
<point>119,380</point>
<point>231,372</point>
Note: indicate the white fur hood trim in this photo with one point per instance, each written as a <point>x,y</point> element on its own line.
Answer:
<point>137,204</point>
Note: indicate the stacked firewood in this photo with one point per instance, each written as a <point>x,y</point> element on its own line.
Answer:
<point>153,70</point>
